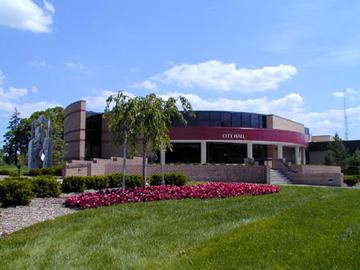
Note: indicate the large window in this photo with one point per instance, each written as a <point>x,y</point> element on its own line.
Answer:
<point>184,153</point>
<point>226,153</point>
<point>224,119</point>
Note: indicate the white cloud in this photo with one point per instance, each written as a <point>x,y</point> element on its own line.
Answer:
<point>77,66</point>
<point>215,75</point>
<point>98,103</point>
<point>350,93</point>
<point>13,93</point>
<point>147,84</point>
<point>290,106</point>
<point>2,77</point>
<point>40,64</point>
<point>26,15</point>
<point>34,90</point>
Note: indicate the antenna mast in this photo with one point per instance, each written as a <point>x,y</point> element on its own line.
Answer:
<point>345,117</point>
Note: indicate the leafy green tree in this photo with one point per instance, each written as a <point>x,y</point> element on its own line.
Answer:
<point>338,150</point>
<point>353,163</point>
<point>154,119</point>
<point>121,112</point>
<point>22,132</point>
<point>12,139</point>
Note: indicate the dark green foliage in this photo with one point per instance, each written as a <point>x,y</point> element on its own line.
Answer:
<point>45,186</point>
<point>351,180</point>
<point>177,179</point>
<point>73,184</point>
<point>4,172</point>
<point>353,163</point>
<point>15,192</point>
<point>131,180</point>
<point>96,182</point>
<point>14,139</point>
<point>115,180</point>
<point>55,171</point>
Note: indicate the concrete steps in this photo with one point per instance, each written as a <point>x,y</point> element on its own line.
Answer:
<point>277,178</point>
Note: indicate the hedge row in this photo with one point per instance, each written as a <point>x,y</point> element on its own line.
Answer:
<point>55,171</point>
<point>20,190</point>
<point>351,180</point>
<point>82,183</point>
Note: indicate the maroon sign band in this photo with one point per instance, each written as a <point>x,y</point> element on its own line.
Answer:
<point>233,133</point>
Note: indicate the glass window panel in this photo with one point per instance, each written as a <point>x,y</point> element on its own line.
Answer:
<point>203,116</point>
<point>215,116</point>
<point>225,116</point>
<point>245,120</point>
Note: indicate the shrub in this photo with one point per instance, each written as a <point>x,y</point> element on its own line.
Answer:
<point>131,180</point>
<point>351,180</point>
<point>74,184</point>
<point>15,192</point>
<point>115,180</point>
<point>177,179</point>
<point>46,187</point>
<point>55,171</point>
<point>4,172</point>
<point>97,182</point>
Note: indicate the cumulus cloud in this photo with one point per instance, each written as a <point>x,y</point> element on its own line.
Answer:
<point>215,75</point>
<point>40,64</point>
<point>350,93</point>
<point>147,84</point>
<point>77,66</point>
<point>290,106</point>
<point>13,93</point>
<point>98,102</point>
<point>27,15</point>
<point>2,77</point>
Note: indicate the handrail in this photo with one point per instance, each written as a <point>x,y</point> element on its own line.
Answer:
<point>286,166</point>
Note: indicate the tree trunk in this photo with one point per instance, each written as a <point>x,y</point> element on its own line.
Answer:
<point>162,163</point>
<point>124,163</point>
<point>144,162</point>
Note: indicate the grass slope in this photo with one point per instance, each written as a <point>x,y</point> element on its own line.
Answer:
<point>298,228</point>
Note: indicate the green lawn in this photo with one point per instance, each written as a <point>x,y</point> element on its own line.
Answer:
<point>298,228</point>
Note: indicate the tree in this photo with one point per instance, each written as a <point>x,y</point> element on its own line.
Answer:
<point>338,150</point>
<point>12,139</point>
<point>353,163</point>
<point>153,123</point>
<point>121,112</point>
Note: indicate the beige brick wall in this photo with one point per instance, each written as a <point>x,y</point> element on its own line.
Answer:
<point>74,130</point>
<point>277,122</point>
<point>224,173</point>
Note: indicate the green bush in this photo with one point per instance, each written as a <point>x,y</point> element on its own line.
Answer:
<point>15,192</point>
<point>45,186</point>
<point>351,180</point>
<point>55,171</point>
<point>115,180</point>
<point>97,182</point>
<point>73,184</point>
<point>4,172</point>
<point>177,179</point>
<point>131,180</point>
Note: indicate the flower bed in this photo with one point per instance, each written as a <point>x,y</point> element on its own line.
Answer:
<point>155,193</point>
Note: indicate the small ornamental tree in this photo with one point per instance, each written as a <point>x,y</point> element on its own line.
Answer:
<point>121,112</point>
<point>154,121</point>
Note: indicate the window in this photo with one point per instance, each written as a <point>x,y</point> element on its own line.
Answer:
<point>245,119</point>
<point>254,120</point>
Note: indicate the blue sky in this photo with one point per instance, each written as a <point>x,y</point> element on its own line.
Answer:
<point>292,58</point>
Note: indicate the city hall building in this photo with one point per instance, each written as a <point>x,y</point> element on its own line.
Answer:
<point>212,137</point>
